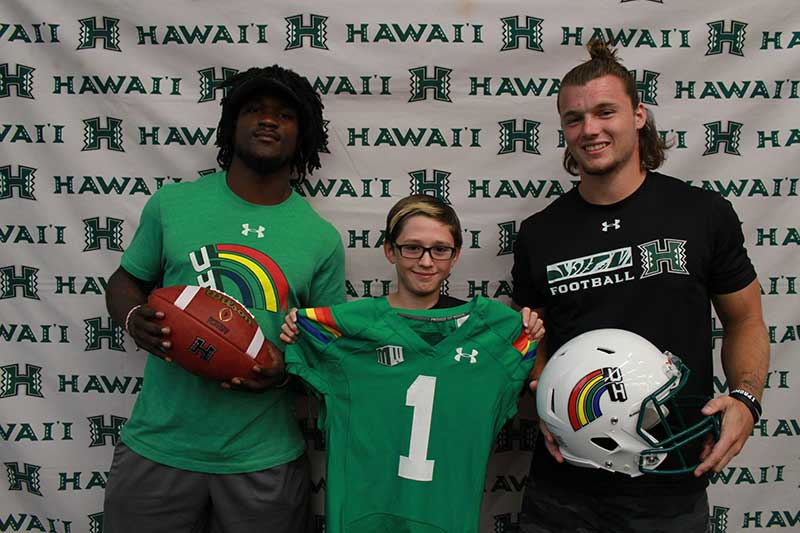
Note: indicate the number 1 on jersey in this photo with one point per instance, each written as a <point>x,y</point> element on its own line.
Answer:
<point>417,466</point>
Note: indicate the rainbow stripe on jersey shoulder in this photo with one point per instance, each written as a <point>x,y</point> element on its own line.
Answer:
<point>525,346</point>
<point>319,323</point>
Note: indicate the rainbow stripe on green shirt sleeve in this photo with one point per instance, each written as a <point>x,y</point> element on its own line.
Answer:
<point>319,323</point>
<point>525,346</point>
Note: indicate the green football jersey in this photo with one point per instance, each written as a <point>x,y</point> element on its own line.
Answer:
<point>412,402</point>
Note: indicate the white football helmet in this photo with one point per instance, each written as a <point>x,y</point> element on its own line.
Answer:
<point>606,394</point>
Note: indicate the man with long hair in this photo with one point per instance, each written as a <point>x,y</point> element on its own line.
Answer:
<point>196,453</point>
<point>680,249</point>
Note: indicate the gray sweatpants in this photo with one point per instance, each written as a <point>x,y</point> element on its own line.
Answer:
<point>143,496</point>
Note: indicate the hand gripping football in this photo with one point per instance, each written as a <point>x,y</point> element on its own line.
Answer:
<point>212,334</point>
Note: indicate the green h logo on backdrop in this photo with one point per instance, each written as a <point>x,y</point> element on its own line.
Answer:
<point>23,182</point>
<point>21,79</point>
<point>96,523</point>
<point>513,33</point>
<point>95,333</point>
<point>100,432</point>
<point>210,83</point>
<point>94,233</point>
<point>508,236</point>
<point>27,281</point>
<point>93,133</point>
<point>421,84</point>
<point>718,36</point>
<point>11,380</point>
<point>324,148</point>
<point>719,519</point>
<point>316,32</point>
<point>90,33</point>
<point>510,136</point>
<point>437,185</point>
<point>29,476</point>
<point>716,136</point>
<point>647,86</point>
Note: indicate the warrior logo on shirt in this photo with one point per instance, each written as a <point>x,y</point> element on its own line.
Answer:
<point>250,275</point>
<point>659,256</point>
<point>671,254</point>
<point>599,263</point>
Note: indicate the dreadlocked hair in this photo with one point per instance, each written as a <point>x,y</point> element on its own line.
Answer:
<point>604,62</point>
<point>311,136</point>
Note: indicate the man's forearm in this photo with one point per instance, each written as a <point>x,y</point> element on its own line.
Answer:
<point>745,355</point>
<point>123,292</point>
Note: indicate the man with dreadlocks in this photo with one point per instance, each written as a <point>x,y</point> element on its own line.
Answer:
<point>196,454</point>
<point>678,249</point>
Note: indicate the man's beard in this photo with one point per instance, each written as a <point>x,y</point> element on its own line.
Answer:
<point>608,168</point>
<point>602,171</point>
<point>260,165</point>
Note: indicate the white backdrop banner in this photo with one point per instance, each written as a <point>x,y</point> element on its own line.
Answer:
<point>102,103</point>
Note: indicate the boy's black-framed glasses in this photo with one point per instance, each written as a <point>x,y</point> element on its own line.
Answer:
<point>416,251</point>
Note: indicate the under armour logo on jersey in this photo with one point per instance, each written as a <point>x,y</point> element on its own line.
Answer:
<point>616,224</point>
<point>246,230</point>
<point>473,355</point>
<point>390,355</point>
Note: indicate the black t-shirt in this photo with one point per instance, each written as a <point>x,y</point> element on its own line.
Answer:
<point>445,302</point>
<point>648,264</point>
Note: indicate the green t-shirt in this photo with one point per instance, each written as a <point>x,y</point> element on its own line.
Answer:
<point>412,401</point>
<point>270,258</point>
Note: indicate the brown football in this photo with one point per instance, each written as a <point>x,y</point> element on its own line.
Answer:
<point>212,334</point>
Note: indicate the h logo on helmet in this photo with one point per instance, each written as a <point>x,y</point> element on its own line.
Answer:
<point>614,384</point>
